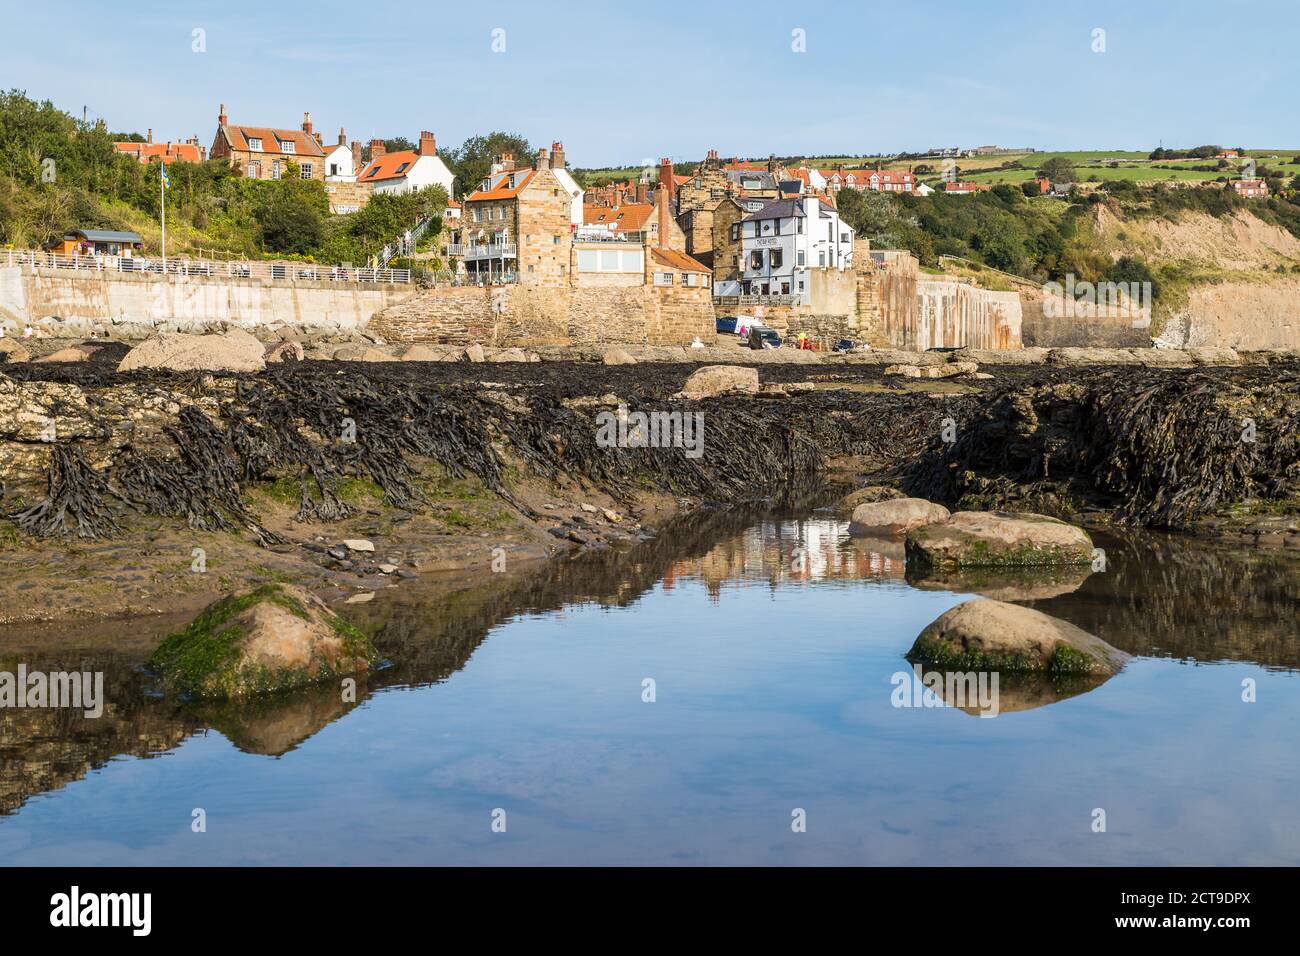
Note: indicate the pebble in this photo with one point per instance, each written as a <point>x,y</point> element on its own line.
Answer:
<point>358,544</point>
<point>590,509</point>
<point>388,568</point>
<point>361,598</point>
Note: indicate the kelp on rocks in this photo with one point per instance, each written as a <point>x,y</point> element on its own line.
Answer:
<point>1159,449</point>
<point>321,422</point>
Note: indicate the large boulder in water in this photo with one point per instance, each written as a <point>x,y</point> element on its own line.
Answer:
<point>883,519</point>
<point>998,539</point>
<point>233,351</point>
<point>983,635</point>
<point>719,379</point>
<point>274,638</point>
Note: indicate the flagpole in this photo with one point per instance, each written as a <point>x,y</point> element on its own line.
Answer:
<point>162,192</point>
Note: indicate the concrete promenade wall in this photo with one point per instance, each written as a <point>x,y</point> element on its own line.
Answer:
<point>92,298</point>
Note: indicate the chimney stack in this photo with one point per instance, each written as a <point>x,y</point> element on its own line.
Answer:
<point>356,156</point>
<point>661,206</point>
<point>342,139</point>
<point>306,123</point>
<point>557,155</point>
<point>221,116</point>
<point>713,155</point>
<point>543,160</point>
<point>319,140</point>
<point>377,149</point>
<point>428,144</point>
<point>642,193</point>
<point>666,176</point>
<point>149,138</point>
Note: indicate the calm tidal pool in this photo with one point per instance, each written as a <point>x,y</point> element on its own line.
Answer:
<point>771,644</point>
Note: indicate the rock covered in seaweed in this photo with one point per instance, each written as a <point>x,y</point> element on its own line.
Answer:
<point>973,539</point>
<point>271,639</point>
<point>992,635</point>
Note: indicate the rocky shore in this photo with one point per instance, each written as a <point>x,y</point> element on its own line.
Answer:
<point>148,489</point>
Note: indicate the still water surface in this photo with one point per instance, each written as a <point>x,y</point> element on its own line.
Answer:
<point>771,644</point>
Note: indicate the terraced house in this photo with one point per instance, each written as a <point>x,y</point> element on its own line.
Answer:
<point>265,152</point>
<point>519,224</point>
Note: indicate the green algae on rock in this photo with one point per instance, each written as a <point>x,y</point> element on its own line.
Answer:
<point>274,638</point>
<point>994,636</point>
<point>998,539</point>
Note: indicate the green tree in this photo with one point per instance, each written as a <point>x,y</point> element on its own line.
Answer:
<point>1058,169</point>
<point>472,161</point>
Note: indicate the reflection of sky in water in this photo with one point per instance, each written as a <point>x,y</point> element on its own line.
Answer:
<point>768,699</point>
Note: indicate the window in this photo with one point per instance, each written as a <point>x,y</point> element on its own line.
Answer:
<point>478,214</point>
<point>799,258</point>
<point>275,169</point>
<point>402,168</point>
<point>304,171</point>
<point>775,257</point>
<point>555,240</point>
<point>255,144</point>
<point>756,260</point>
<point>735,231</point>
<point>688,278</point>
<point>286,146</point>
<point>254,170</point>
<point>844,237</point>
<point>799,226</point>
<point>334,169</point>
<point>821,257</point>
<point>663,278</point>
<point>373,172</point>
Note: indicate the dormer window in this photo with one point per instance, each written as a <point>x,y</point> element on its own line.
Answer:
<point>286,146</point>
<point>485,185</point>
<point>402,168</point>
<point>255,144</point>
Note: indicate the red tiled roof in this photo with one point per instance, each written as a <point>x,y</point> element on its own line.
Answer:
<point>303,144</point>
<point>501,190</point>
<point>388,166</point>
<point>678,260</point>
<point>167,153</point>
<point>629,217</point>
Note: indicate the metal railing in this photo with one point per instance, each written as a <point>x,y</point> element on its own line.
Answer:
<point>404,245</point>
<point>599,235</point>
<point>201,268</point>
<point>486,250</point>
<point>735,300</point>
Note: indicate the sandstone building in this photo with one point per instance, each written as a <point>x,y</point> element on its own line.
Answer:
<point>265,152</point>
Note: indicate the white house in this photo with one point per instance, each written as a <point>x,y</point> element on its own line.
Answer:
<point>407,170</point>
<point>339,167</point>
<point>785,240</point>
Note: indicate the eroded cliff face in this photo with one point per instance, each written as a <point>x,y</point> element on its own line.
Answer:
<point>1248,315</point>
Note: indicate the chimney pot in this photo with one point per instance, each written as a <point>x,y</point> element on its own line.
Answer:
<point>221,116</point>
<point>428,144</point>
<point>306,123</point>
<point>377,149</point>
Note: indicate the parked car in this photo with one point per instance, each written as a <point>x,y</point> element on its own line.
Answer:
<point>726,325</point>
<point>844,345</point>
<point>761,337</point>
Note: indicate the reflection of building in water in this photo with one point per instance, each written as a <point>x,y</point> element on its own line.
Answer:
<point>818,549</point>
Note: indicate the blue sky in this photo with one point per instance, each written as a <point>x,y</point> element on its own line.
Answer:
<point>621,82</point>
